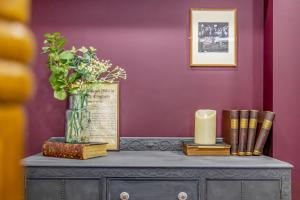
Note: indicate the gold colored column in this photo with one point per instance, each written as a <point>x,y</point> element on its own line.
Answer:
<point>17,47</point>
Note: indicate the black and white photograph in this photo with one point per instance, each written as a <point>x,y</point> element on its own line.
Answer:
<point>212,37</point>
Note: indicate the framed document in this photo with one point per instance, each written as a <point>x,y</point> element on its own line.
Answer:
<point>103,104</point>
<point>213,38</point>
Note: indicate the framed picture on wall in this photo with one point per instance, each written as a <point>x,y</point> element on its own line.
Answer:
<point>213,37</point>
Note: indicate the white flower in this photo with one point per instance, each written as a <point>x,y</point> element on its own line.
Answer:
<point>73,50</point>
<point>92,49</point>
<point>83,50</point>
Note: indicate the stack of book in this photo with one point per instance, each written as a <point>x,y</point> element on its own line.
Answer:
<point>246,130</point>
<point>56,147</point>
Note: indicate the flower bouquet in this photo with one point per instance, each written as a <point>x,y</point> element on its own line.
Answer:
<point>74,73</point>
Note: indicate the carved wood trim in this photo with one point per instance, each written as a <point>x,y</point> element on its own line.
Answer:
<point>154,143</point>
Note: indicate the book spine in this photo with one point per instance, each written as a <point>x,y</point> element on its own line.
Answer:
<point>263,133</point>
<point>244,116</point>
<point>234,131</point>
<point>251,131</point>
<point>62,150</point>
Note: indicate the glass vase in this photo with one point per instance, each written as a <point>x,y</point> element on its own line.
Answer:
<point>77,119</point>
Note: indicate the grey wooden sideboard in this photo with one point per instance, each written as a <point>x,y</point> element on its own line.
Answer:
<point>157,175</point>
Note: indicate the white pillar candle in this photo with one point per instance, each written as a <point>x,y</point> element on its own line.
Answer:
<point>205,127</point>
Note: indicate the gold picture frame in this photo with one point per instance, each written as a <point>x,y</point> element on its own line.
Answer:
<point>214,42</point>
<point>104,108</point>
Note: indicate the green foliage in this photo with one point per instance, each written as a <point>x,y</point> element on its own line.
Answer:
<point>73,77</point>
<point>66,55</point>
<point>75,71</point>
<point>58,63</point>
<point>60,94</point>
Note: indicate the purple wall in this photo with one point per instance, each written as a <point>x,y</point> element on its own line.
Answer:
<point>268,56</point>
<point>286,86</point>
<point>150,39</point>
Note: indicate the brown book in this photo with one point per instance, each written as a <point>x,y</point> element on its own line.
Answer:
<point>244,117</point>
<point>74,151</point>
<point>253,116</point>
<point>263,133</point>
<point>230,129</point>
<point>219,149</point>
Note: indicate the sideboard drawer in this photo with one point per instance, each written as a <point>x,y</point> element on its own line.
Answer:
<point>149,189</point>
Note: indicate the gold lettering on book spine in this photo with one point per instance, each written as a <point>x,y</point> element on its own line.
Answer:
<point>234,124</point>
<point>253,123</point>
<point>244,123</point>
<point>256,153</point>
<point>267,124</point>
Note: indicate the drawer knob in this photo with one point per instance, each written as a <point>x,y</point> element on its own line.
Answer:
<point>182,196</point>
<point>124,196</point>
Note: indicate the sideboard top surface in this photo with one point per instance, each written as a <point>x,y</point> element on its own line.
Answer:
<point>161,159</point>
